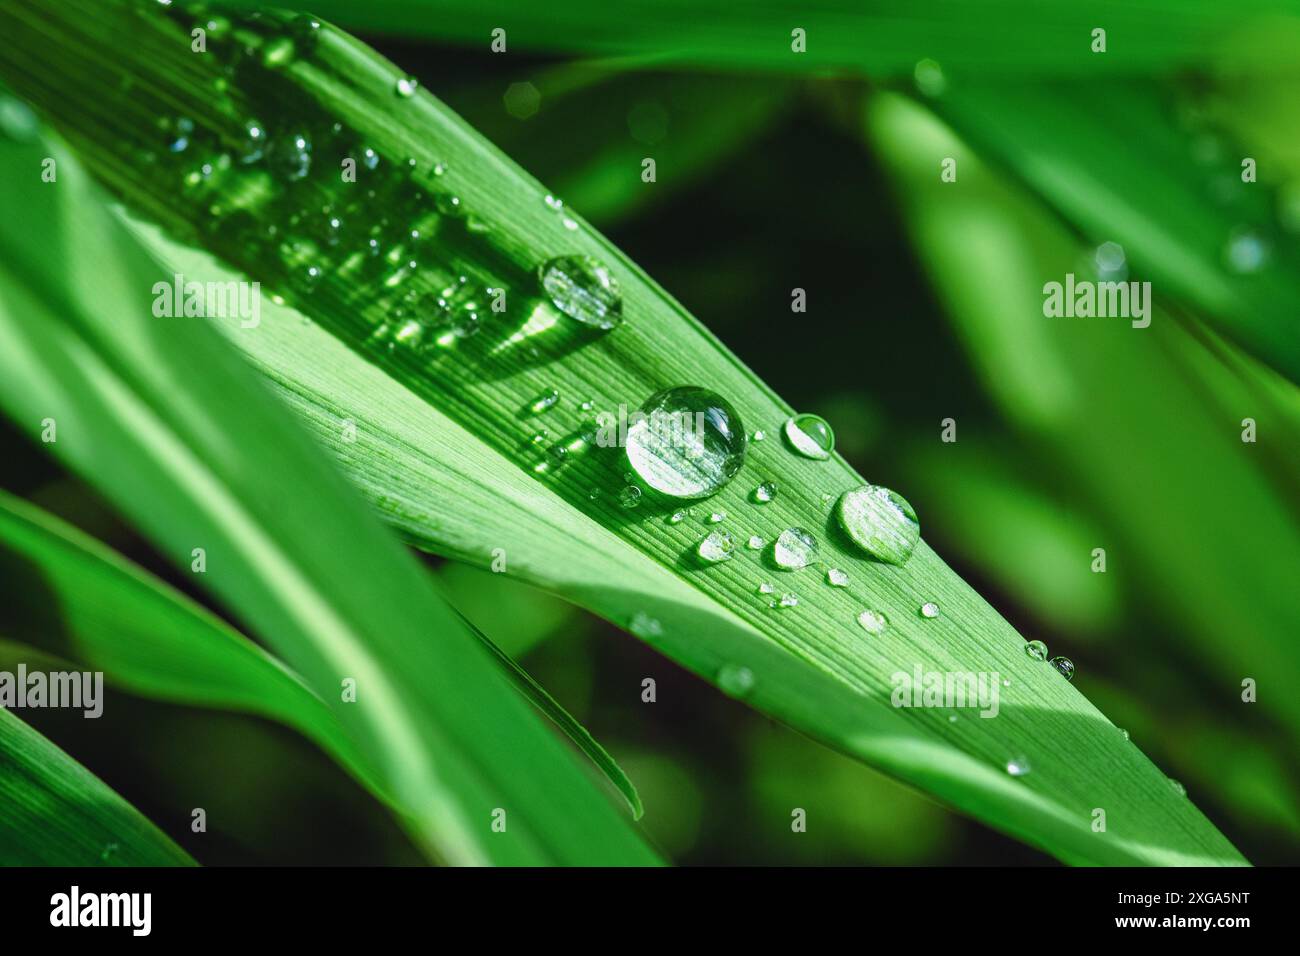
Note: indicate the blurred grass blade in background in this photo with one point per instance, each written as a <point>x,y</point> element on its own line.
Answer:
<point>451,395</point>
<point>57,813</point>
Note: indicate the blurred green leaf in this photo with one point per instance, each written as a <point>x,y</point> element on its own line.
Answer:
<point>57,813</point>
<point>880,37</point>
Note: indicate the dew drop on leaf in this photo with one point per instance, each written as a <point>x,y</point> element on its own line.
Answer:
<point>880,522</point>
<point>929,609</point>
<point>1037,650</point>
<point>583,289</point>
<point>717,546</point>
<point>1064,666</point>
<point>795,548</point>
<point>687,442</point>
<point>810,436</point>
<point>873,622</point>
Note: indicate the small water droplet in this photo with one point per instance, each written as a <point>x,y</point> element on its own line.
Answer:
<point>929,77</point>
<point>588,405</point>
<point>290,156</point>
<point>758,435</point>
<point>1037,650</point>
<point>687,442</point>
<point>439,169</point>
<point>873,622</point>
<point>545,400</point>
<point>630,496</point>
<point>540,436</point>
<point>880,522</point>
<point>929,609</point>
<point>766,588</point>
<point>794,548</point>
<point>717,517</point>
<point>406,86</point>
<point>1018,766</point>
<point>735,681</point>
<point>765,492</point>
<point>755,543</point>
<point>643,625</point>
<point>1177,787</point>
<point>1064,666</point>
<point>787,600</point>
<point>810,436</point>
<point>677,517</point>
<point>717,546</point>
<point>837,578</point>
<point>583,289</point>
<point>1123,733</point>
<point>1246,252</point>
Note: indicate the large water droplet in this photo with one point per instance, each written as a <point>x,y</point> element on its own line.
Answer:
<point>765,492</point>
<point>880,522</point>
<point>837,578</point>
<point>794,548</point>
<point>929,609</point>
<point>687,443</point>
<point>810,436</point>
<point>717,546</point>
<point>735,681</point>
<point>1037,650</point>
<point>1064,666</point>
<point>630,496</point>
<point>583,289</point>
<point>873,622</point>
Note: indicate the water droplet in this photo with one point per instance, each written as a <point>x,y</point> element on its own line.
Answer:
<point>178,132</point>
<point>717,546</point>
<point>17,121</point>
<point>880,522</point>
<point>688,442</point>
<point>873,622</point>
<point>290,156</point>
<point>759,435</point>
<point>929,609</point>
<point>1177,787</point>
<point>755,543</point>
<point>1065,666</point>
<point>588,405</point>
<point>439,169</point>
<point>810,436</point>
<point>765,492</point>
<point>1112,264</point>
<point>277,53</point>
<point>795,548</point>
<point>1037,650</point>
<point>1018,766</point>
<point>643,625</point>
<point>787,600</point>
<point>929,77</point>
<point>717,517</point>
<point>630,496</point>
<point>1123,733</point>
<point>545,400</point>
<point>677,517</point>
<point>406,86</point>
<point>735,681</point>
<point>837,578</point>
<point>1246,251</point>
<point>583,289</point>
<point>766,588</point>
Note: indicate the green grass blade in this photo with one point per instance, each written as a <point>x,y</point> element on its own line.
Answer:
<point>443,442</point>
<point>55,812</point>
<point>882,37</point>
<point>338,599</point>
